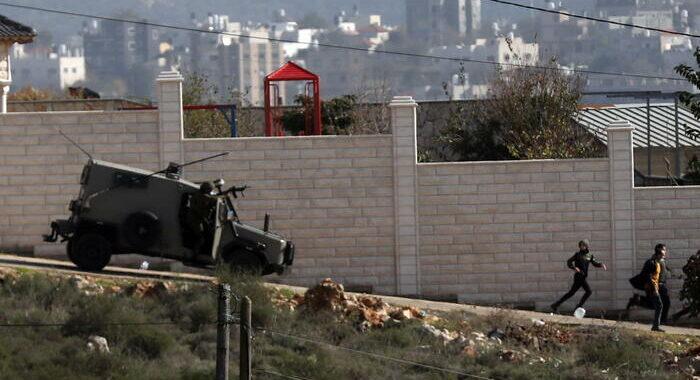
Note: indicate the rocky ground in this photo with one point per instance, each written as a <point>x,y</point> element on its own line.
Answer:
<point>501,344</point>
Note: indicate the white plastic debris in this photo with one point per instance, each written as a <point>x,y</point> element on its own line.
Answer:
<point>144,265</point>
<point>579,312</point>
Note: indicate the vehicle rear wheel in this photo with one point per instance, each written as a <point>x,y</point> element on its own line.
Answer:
<point>243,261</point>
<point>90,251</point>
<point>141,229</point>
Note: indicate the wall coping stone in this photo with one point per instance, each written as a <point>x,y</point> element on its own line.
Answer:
<point>287,138</point>
<point>64,113</point>
<point>620,125</point>
<point>403,101</point>
<point>685,187</point>
<point>500,162</point>
<point>169,76</point>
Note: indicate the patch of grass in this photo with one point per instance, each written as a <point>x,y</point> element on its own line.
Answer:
<point>186,349</point>
<point>621,354</point>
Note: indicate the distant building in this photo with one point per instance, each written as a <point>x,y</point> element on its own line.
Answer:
<point>436,20</point>
<point>11,32</point>
<point>236,62</point>
<point>122,50</point>
<point>47,68</point>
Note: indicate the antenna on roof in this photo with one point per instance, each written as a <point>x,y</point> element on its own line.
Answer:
<point>76,144</point>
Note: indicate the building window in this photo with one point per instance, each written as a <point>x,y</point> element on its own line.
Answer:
<point>75,70</point>
<point>65,70</point>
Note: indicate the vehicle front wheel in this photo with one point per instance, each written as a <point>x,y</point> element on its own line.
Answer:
<point>90,251</point>
<point>243,261</point>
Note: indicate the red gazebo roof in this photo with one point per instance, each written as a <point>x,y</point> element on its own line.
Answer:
<point>291,71</point>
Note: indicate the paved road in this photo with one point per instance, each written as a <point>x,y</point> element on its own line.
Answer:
<point>7,260</point>
<point>13,261</point>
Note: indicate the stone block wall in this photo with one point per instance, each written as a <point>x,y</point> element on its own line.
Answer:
<point>501,232</point>
<point>40,169</point>
<point>362,211</point>
<point>332,195</point>
<point>668,215</point>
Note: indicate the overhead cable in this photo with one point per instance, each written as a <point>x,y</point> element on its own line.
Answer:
<point>595,19</point>
<point>373,354</point>
<point>343,47</point>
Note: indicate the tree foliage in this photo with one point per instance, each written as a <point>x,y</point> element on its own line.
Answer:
<point>690,293</point>
<point>197,90</point>
<point>530,114</point>
<point>688,99</point>
<point>313,20</point>
<point>30,94</point>
<point>339,115</point>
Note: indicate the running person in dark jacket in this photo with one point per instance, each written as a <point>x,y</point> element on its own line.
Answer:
<point>579,263</point>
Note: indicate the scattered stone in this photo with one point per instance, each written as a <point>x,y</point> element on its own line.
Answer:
<point>538,322</point>
<point>508,355</point>
<point>97,343</point>
<point>84,286</point>
<point>8,275</point>
<point>497,334</point>
<point>469,351</point>
<point>444,335</point>
<point>327,295</point>
<point>143,289</point>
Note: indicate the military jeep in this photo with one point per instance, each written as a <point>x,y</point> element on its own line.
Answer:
<point>121,209</point>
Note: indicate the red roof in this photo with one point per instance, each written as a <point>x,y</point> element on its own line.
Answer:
<point>291,71</point>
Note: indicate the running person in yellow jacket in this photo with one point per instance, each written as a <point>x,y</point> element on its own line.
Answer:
<point>656,293</point>
<point>579,263</point>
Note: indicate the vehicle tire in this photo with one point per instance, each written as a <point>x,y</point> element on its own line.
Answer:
<point>141,229</point>
<point>90,251</point>
<point>246,262</point>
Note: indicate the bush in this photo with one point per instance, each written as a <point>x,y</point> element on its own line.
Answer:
<point>148,341</point>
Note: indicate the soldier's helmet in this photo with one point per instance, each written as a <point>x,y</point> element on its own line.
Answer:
<point>206,188</point>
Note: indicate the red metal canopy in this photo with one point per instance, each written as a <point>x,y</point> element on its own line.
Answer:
<point>290,71</point>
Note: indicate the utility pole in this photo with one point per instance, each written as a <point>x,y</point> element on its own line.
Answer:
<point>222,331</point>
<point>245,359</point>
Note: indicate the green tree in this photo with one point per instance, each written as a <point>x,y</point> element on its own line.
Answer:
<point>313,20</point>
<point>197,90</point>
<point>339,115</point>
<point>688,99</point>
<point>530,114</point>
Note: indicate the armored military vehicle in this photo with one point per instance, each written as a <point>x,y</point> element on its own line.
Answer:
<point>121,209</point>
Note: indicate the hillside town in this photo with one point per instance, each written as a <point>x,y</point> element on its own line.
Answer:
<point>406,189</point>
<point>118,59</point>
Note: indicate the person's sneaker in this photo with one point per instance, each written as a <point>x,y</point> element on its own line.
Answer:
<point>554,307</point>
<point>657,329</point>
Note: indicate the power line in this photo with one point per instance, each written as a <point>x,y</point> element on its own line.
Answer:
<point>372,354</point>
<point>333,46</point>
<point>595,19</point>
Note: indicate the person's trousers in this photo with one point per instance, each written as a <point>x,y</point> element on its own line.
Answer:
<point>579,282</point>
<point>665,302</point>
<point>649,301</point>
<point>655,299</point>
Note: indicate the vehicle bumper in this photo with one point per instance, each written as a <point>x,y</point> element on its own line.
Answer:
<point>60,227</point>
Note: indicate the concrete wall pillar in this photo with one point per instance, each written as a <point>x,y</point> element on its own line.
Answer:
<point>403,122</point>
<point>5,74</point>
<point>621,158</point>
<point>4,90</point>
<point>170,131</point>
